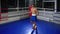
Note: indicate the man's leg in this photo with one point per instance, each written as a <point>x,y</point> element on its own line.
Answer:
<point>36,31</point>
<point>32,32</point>
<point>32,19</point>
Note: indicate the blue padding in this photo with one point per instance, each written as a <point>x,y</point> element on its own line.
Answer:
<point>25,27</point>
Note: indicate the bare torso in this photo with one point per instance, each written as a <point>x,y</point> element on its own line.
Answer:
<point>33,10</point>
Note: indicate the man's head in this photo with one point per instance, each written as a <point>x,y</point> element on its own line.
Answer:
<point>33,5</point>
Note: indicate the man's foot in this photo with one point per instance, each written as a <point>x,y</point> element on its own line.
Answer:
<point>34,26</point>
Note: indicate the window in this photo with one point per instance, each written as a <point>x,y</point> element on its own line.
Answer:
<point>49,5</point>
<point>39,3</point>
<point>26,3</point>
<point>12,3</point>
<point>58,5</point>
<point>48,0</point>
<point>23,3</point>
<point>4,6</point>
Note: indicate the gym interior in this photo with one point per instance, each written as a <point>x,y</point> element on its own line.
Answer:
<point>14,17</point>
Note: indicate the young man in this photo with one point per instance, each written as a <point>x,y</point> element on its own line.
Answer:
<point>33,17</point>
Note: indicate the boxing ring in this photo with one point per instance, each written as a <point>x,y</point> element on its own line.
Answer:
<point>24,26</point>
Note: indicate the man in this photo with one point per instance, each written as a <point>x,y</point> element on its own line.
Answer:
<point>34,16</point>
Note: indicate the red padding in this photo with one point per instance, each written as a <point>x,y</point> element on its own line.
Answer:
<point>0,16</point>
<point>30,14</point>
<point>4,17</point>
<point>3,13</point>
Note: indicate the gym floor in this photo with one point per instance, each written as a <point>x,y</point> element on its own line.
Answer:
<point>25,27</point>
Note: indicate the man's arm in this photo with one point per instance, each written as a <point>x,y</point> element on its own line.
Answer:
<point>37,12</point>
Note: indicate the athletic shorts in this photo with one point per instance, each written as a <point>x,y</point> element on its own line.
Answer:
<point>33,18</point>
